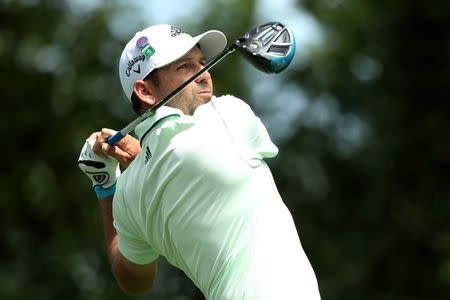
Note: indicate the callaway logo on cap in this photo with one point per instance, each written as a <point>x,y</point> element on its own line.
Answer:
<point>160,45</point>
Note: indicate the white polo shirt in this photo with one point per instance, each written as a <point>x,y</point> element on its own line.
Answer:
<point>200,194</point>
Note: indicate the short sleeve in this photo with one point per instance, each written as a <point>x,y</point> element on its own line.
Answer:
<point>131,244</point>
<point>262,142</point>
<point>246,129</point>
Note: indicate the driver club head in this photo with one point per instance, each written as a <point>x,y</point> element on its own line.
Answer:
<point>269,47</point>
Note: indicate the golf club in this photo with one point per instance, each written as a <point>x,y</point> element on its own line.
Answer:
<point>269,47</point>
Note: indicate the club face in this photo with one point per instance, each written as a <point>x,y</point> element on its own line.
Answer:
<point>269,47</point>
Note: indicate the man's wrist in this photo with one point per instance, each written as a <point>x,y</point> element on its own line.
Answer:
<point>103,192</point>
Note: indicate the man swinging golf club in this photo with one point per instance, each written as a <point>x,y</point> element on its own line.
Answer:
<point>196,188</point>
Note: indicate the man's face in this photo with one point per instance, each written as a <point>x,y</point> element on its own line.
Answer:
<point>173,75</point>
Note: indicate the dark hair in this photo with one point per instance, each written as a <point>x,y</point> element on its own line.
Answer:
<point>136,103</point>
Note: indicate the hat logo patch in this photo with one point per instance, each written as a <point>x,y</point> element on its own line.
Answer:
<point>148,51</point>
<point>142,42</point>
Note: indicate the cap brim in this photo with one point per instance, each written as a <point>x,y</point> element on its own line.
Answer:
<point>211,43</point>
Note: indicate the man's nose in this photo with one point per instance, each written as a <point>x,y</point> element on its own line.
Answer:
<point>205,76</point>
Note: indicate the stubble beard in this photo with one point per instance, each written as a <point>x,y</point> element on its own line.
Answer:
<point>189,103</point>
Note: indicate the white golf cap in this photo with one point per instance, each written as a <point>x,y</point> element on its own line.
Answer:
<point>159,45</point>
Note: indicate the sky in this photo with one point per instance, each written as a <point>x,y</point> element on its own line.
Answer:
<point>279,103</point>
<point>285,11</point>
<point>306,29</point>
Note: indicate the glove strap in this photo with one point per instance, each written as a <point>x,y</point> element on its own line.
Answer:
<point>104,192</point>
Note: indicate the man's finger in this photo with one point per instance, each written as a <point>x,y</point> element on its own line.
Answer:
<point>122,157</point>
<point>93,136</point>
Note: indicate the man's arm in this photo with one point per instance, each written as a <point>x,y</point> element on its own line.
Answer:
<point>96,162</point>
<point>132,278</point>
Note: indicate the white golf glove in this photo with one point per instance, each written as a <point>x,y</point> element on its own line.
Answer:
<point>103,171</point>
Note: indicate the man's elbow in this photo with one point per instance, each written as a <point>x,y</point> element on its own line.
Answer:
<point>136,280</point>
<point>133,279</point>
<point>133,289</point>
<point>133,286</point>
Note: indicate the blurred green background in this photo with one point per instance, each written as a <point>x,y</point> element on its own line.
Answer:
<point>361,118</point>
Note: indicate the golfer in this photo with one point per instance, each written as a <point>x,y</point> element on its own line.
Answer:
<point>194,186</point>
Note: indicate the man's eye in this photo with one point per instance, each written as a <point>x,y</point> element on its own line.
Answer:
<point>183,66</point>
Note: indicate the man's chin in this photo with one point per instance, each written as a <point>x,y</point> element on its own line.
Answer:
<point>200,100</point>
<point>203,98</point>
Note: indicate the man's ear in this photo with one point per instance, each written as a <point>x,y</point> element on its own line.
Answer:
<point>144,92</point>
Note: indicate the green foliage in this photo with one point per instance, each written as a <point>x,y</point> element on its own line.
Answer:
<point>379,226</point>
<point>55,90</point>
<point>367,185</point>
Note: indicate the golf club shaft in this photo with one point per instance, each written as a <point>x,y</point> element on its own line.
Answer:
<point>112,140</point>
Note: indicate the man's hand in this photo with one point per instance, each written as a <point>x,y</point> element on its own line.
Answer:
<point>102,170</point>
<point>100,161</point>
<point>124,151</point>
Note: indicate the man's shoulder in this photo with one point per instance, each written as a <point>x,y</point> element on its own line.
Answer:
<point>229,101</point>
<point>233,108</point>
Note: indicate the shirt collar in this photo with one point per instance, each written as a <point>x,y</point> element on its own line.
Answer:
<point>162,112</point>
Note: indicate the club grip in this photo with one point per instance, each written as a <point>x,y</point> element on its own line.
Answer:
<point>112,140</point>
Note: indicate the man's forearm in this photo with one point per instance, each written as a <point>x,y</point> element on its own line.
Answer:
<point>108,227</point>
<point>111,239</point>
<point>133,279</point>
<point>93,161</point>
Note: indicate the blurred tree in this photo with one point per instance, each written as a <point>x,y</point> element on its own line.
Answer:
<point>54,84</point>
<point>369,187</point>
<point>365,168</point>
